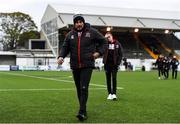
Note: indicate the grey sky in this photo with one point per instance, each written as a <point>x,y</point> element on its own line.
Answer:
<point>36,8</point>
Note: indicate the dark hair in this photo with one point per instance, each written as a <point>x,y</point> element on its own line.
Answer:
<point>78,17</point>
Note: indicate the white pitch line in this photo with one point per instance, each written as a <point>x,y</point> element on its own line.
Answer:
<point>67,77</point>
<point>92,84</point>
<point>62,89</point>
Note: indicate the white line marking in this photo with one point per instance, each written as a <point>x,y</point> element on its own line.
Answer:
<point>66,77</point>
<point>62,89</point>
<point>92,84</point>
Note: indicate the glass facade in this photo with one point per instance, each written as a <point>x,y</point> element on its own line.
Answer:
<point>51,30</point>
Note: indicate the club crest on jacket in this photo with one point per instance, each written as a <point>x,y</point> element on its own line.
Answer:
<point>72,36</point>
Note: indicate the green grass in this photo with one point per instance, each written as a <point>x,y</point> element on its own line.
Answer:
<point>50,99</point>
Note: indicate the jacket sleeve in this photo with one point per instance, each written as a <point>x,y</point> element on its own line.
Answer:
<point>120,52</point>
<point>102,43</point>
<point>65,47</point>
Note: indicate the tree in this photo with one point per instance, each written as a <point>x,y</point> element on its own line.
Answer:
<point>13,25</point>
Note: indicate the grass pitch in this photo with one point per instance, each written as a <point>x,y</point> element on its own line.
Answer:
<point>50,97</point>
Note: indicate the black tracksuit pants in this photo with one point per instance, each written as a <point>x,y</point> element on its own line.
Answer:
<point>166,73</point>
<point>82,78</point>
<point>174,73</point>
<point>111,78</point>
<point>160,71</point>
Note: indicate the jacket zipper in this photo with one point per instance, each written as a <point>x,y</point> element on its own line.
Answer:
<point>79,48</point>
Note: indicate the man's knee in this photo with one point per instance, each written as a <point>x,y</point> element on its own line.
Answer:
<point>84,89</point>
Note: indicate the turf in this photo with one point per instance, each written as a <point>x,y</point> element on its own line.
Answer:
<point>50,97</point>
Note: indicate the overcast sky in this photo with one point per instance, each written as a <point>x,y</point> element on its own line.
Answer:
<point>36,8</point>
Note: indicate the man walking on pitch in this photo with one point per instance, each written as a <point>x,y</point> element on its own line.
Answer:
<point>85,44</point>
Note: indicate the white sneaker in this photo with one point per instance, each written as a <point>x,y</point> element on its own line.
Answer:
<point>110,97</point>
<point>114,97</point>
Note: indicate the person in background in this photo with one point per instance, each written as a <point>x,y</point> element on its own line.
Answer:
<point>125,63</point>
<point>112,59</point>
<point>174,64</point>
<point>159,64</point>
<point>166,67</point>
<point>85,44</point>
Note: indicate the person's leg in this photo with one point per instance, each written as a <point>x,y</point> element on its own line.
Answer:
<point>165,73</point>
<point>85,77</point>
<point>114,81</point>
<point>108,78</point>
<point>76,76</point>
<point>175,74</point>
<point>108,81</point>
<point>159,72</point>
<point>168,73</point>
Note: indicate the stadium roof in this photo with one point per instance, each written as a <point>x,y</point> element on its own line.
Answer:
<point>115,17</point>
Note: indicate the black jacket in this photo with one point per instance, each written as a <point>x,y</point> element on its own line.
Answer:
<point>81,52</point>
<point>117,56</point>
<point>159,63</point>
<point>174,63</point>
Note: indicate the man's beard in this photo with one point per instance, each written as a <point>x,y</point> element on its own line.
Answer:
<point>79,28</point>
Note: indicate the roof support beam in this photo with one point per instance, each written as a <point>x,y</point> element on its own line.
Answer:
<point>103,21</point>
<point>141,22</point>
<point>61,19</point>
<point>176,23</point>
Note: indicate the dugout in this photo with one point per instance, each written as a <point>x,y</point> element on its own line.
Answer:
<point>7,58</point>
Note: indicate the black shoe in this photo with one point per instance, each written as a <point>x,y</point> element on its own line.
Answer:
<point>82,117</point>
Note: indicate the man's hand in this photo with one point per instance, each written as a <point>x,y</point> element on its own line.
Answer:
<point>60,60</point>
<point>96,55</point>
